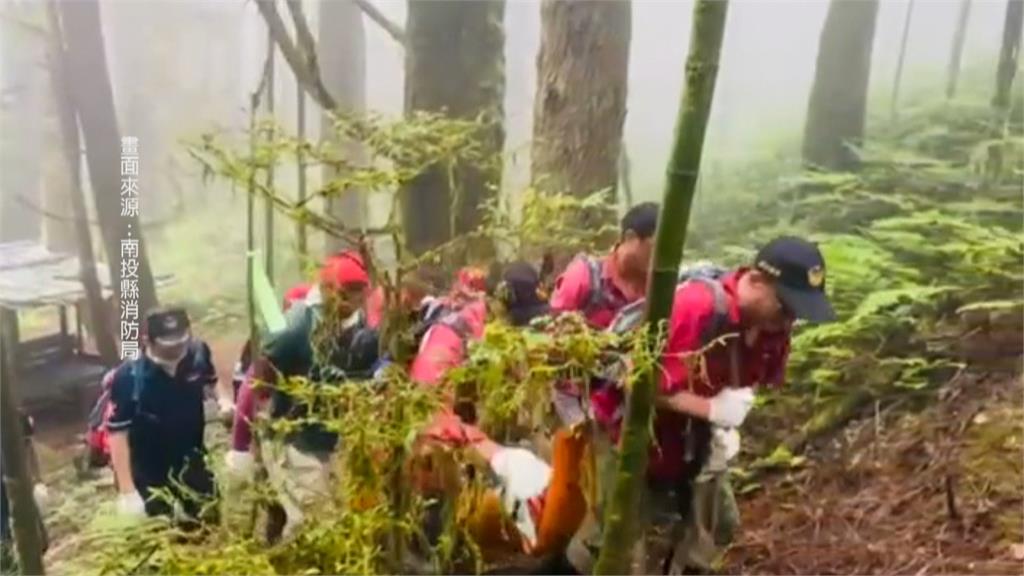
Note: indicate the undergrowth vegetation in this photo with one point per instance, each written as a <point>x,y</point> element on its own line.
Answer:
<point>928,231</point>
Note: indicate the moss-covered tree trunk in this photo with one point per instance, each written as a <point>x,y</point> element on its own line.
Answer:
<point>94,103</point>
<point>341,53</point>
<point>620,516</point>
<point>580,107</point>
<point>454,62</point>
<point>1009,54</point>
<point>838,104</point>
<point>957,50</point>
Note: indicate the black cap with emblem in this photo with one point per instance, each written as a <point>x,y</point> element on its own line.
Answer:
<point>519,289</point>
<point>799,271</point>
<point>167,326</point>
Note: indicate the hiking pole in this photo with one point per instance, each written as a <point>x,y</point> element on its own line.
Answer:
<point>27,536</point>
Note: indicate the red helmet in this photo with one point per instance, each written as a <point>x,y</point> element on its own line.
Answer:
<point>344,269</point>
<point>296,293</point>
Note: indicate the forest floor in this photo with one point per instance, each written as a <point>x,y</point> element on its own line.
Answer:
<point>933,490</point>
<point>930,489</point>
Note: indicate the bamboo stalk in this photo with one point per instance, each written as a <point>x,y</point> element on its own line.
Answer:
<point>620,515</point>
<point>250,227</point>
<point>268,214</point>
<point>25,515</point>
<point>301,161</point>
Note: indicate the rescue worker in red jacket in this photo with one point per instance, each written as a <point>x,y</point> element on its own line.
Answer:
<point>598,288</point>
<point>523,476</point>
<point>742,321</point>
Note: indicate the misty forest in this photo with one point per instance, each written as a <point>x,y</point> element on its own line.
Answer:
<point>512,286</point>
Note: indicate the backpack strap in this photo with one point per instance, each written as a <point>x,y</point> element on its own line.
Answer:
<point>198,352</point>
<point>596,295</point>
<point>460,326</point>
<point>137,368</point>
<point>719,320</point>
<point>720,316</point>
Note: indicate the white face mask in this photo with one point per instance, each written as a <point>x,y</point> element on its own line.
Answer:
<point>170,365</point>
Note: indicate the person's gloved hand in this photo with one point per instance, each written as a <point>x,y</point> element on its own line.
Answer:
<point>725,445</point>
<point>730,407</point>
<point>131,505</point>
<point>240,465</point>
<point>524,479</point>
<point>226,410</point>
<point>41,494</point>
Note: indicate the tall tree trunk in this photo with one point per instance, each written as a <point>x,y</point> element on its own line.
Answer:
<point>836,113</point>
<point>72,165</point>
<point>17,480</point>
<point>894,106</point>
<point>94,104</point>
<point>620,514</point>
<point>959,38</point>
<point>580,107</point>
<point>20,136</point>
<point>1009,54</point>
<point>341,53</point>
<point>455,63</point>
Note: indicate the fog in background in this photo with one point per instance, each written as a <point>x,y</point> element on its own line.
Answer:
<point>179,68</point>
<point>212,51</point>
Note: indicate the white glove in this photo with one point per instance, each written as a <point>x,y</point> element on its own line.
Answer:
<point>131,505</point>
<point>730,407</point>
<point>41,494</point>
<point>523,476</point>
<point>725,445</point>
<point>240,465</point>
<point>225,408</point>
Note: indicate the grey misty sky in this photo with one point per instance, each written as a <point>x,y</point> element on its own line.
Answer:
<point>764,80</point>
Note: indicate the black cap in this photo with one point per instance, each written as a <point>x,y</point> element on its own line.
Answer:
<point>520,292</point>
<point>641,220</point>
<point>167,325</point>
<point>799,272</point>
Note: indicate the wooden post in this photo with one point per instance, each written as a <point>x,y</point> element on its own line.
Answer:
<point>16,477</point>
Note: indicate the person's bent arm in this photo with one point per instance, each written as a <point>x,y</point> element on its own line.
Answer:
<point>121,460</point>
<point>728,408</point>
<point>686,403</point>
<point>120,422</point>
